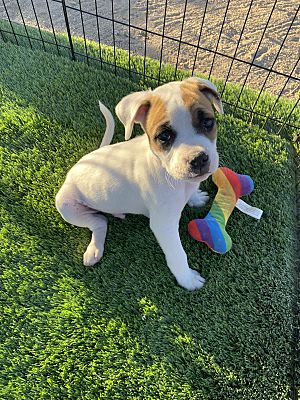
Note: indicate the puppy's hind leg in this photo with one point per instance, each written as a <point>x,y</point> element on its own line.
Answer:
<point>80,215</point>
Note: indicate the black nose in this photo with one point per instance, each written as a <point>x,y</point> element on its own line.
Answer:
<point>200,163</point>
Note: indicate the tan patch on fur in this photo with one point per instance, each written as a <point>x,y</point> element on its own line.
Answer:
<point>156,117</point>
<point>195,100</point>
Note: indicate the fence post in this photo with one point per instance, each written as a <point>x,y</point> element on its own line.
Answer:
<point>68,29</point>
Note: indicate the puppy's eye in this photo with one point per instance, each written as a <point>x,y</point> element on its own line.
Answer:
<point>165,136</point>
<point>208,123</point>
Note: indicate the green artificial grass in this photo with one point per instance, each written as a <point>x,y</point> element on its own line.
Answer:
<point>124,329</point>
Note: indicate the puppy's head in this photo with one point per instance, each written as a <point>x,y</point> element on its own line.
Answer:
<point>178,118</point>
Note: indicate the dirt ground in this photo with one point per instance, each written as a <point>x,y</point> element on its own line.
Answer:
<point>243,48</point>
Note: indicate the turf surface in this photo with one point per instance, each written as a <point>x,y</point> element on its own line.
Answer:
<point>124,329</point>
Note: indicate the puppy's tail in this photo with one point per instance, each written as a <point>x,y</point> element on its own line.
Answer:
<point>110,125</point>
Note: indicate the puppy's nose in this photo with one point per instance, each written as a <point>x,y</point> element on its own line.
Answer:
<point>200,163</point>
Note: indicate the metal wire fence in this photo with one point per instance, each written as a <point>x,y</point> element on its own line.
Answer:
<point>241,42</point>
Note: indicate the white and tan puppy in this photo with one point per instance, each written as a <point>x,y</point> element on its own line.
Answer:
<point>155,174</point>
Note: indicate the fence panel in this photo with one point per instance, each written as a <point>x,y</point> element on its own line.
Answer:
<point>237,41</point>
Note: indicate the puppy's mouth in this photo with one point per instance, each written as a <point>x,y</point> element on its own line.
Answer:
<point>190,176</point>
<point>204,173</point>
<point>194,176</point>
<point>199,177</point>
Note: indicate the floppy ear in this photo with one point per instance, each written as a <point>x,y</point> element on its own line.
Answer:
<point>133,108</point>
<point>210,91</point>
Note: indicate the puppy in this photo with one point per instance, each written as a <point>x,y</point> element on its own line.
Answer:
<point>155,174</point>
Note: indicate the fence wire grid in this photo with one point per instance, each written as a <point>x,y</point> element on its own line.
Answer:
<point>248,42</point>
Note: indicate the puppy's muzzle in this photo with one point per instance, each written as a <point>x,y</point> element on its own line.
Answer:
<point>200,164</point>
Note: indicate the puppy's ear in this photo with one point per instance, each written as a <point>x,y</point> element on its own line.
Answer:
<point>210,91</point>
<point>133,108</point>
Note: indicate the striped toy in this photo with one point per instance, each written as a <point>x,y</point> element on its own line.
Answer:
<point>211,229</point>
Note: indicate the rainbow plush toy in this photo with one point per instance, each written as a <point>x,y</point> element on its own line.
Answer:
<point>211,229</point>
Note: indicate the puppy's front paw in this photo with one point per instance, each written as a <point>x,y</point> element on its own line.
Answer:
<point>198,199</point>
<point>192,280</point>
<point>92,255</point>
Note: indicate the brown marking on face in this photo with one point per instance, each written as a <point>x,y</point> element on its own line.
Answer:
<point>199,105</point>
<point>156,117</point>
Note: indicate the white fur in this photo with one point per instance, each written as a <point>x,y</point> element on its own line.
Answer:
<point>198,199</point>
<point>110,125</point>
<point>128,177</point>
